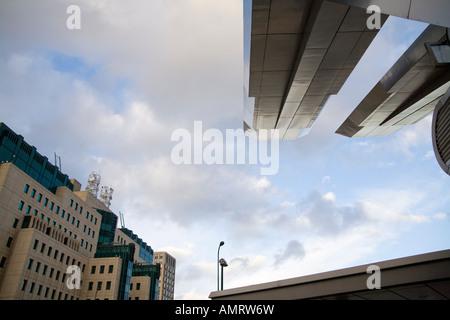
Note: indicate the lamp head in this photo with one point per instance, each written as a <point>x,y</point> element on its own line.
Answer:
<point>221,243</point>
<point>223,263</point>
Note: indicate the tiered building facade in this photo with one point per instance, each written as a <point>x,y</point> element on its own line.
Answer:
<point>61,243</point>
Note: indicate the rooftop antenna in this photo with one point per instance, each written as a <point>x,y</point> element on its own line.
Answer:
<point>106,195</point>
<point>122,220</point>
<point>93,183</point>
<point>56,163</point>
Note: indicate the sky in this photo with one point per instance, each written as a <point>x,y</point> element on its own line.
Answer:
<point>108,96</point>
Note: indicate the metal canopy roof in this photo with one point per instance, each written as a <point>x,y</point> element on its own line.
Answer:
<point>408,92</point>
<point>303,51</point>
<point>419,277</point>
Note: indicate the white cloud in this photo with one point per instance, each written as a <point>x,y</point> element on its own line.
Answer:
<point>440,216</point>
<point>330,196</point>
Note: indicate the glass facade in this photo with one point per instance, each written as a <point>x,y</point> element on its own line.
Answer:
<point>107,227</point>
<point>145,250</point>
<point>14,149</point>
<point>152,271</point>
<point>126,253</point>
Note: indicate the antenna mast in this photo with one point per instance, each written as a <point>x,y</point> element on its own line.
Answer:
<point>122,220</point>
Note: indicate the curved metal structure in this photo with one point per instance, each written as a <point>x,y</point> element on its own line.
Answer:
<point>441,132</point>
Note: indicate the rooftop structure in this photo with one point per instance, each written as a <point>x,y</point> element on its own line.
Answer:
<point>297,53</point>
<point>420,277</point>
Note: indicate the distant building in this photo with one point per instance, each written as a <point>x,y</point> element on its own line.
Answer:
<point>49,227</point>
<point>167,279</point>
<point>143,266</point>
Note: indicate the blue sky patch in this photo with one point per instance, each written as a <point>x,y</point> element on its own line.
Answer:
<point>72,65</point>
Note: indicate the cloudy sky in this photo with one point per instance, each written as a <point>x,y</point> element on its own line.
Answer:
<point>108,97</point>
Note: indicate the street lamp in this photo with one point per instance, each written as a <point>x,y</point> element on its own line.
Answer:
<point>223,263</point>
<point>220,244</point>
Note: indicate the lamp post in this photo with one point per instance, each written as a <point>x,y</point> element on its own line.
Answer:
<point>223,263</point>
<point>220,244</point>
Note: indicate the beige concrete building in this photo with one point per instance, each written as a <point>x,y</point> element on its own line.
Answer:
<point>167,278</point>
<point>140,288</point>
<point>47,232</point>
<point>102,279</point>
<point>43,233</point>
<point>58,242</point>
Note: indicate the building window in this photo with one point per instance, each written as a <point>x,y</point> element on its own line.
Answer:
<point>24,284</point>
<point>8,243</point>
<point>33,193</point>
<point>93,269</point>
<point>21,203</point>
<point>38,292</point>
<point>71,202</point>
<point>26,188</point>
<point>45,202</point>
<point>31,287</point>
<point>91,285</point>
<point>39,197</point>
<point>42,247</point>
<point>102,269</point>
<point>110,268</point>
<point>51,272</point>
<point>30,262</point>
<point>16,221</point>
<point>108,285</point>
<point>44,269</point>
<point>99,285</point>
<point>37,266</point>
<point>28,210</point>
<point>138,286</point>
<point>2,262</point>
<point>35,244</point>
